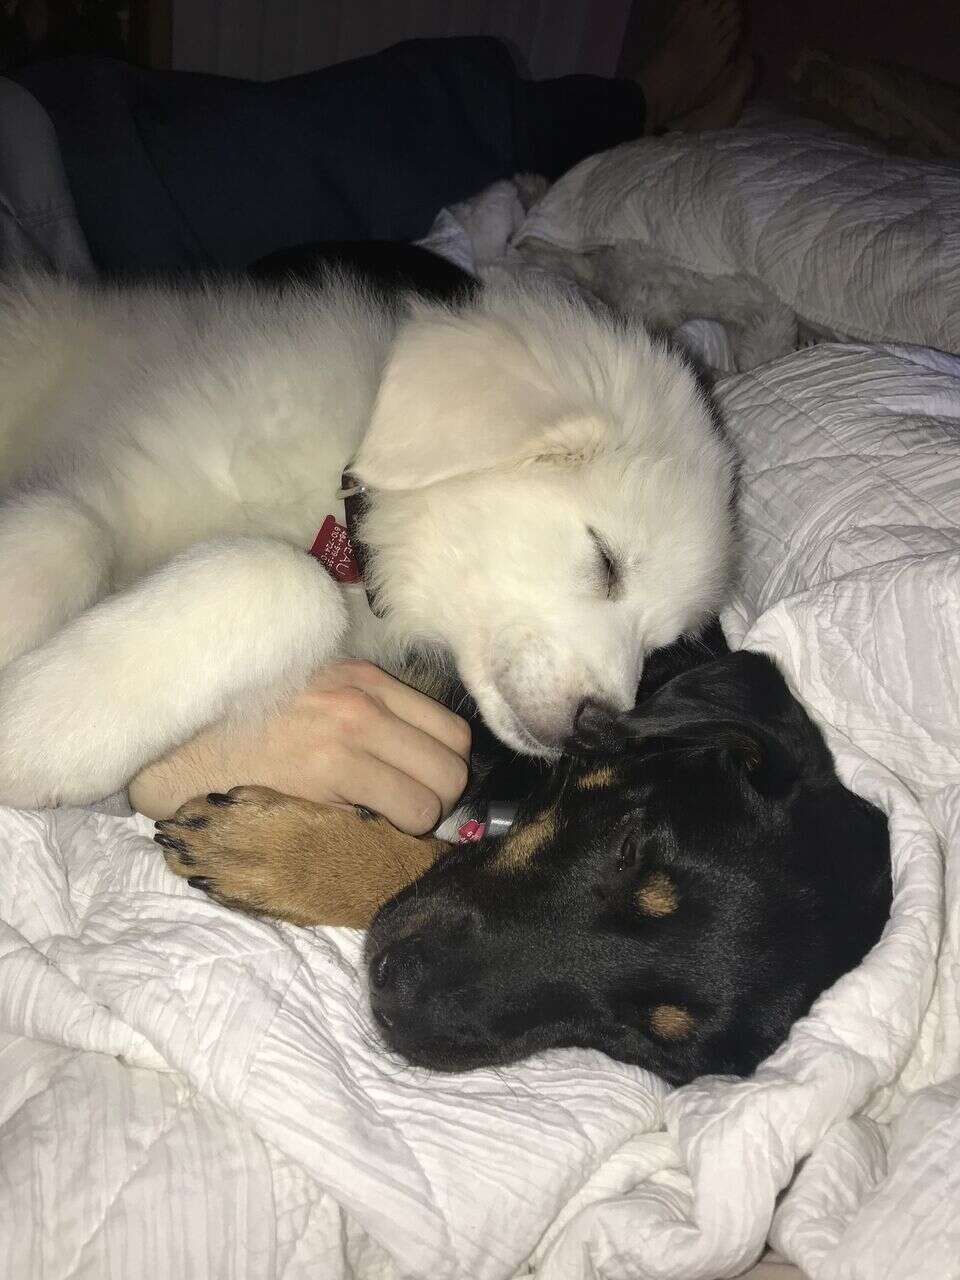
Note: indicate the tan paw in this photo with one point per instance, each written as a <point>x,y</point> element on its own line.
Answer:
<point>270,854</point>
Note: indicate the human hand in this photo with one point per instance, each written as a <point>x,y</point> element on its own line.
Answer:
<point>353,736</point>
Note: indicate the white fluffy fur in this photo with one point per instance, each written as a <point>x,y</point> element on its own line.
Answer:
<point>168,455</point>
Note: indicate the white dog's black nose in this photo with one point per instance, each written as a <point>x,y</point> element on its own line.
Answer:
<point>593,715</point>
<point>554,727</point>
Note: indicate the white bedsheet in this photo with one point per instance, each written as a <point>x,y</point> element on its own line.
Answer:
<point>189,1094</point>
<point>860,244</point>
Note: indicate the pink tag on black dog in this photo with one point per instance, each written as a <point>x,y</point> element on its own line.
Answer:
<point>332,548</point>
<point>471,831</point>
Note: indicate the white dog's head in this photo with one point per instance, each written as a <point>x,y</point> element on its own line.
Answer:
<point>550,501</point>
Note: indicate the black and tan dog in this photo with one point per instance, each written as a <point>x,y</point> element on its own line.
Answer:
<point>676,893</point>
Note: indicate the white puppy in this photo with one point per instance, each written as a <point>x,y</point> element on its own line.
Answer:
<point>549,499</point>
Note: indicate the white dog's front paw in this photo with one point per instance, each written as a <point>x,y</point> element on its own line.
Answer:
<point>217,628</point>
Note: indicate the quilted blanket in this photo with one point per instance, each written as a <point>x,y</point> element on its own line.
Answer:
<point>857,243</point>
<point>187,1094</point>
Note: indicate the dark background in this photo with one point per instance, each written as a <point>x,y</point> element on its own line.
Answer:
<point>263,39</point>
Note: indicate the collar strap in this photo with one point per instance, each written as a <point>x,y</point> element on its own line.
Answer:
<point>356,501</point>
<point>500,818</point>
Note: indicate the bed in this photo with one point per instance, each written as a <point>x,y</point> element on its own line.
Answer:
<point>189,1093</point>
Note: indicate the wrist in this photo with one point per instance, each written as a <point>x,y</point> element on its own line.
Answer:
<point>199,766</point>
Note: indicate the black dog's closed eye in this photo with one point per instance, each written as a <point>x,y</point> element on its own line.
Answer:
<point>615,885</point>
<point>629,855</point>
<point>608,565</point>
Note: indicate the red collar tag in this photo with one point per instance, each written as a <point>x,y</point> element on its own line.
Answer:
<point>332,548</point>
<point>471,831</point>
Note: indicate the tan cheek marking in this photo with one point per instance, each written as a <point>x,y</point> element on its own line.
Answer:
<point>670,1022</point>
<point>605,776</point>
<point>519,846</point>
<point>657,896</point>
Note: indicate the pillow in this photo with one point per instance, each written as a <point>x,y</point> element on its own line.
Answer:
<point>857,243</point>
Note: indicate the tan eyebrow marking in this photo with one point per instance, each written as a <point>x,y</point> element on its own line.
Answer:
<point>519,846</point>
<point>657,896</point>
<point>670,1022</point>
<point>605,776</point>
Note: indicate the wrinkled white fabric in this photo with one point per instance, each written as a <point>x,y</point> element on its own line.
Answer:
<point>858,243</point>
<point>186,1092</point>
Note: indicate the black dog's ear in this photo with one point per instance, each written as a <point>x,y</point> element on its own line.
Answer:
<point>762,757</point>
<point>739,705</point>
<point>690,651</point>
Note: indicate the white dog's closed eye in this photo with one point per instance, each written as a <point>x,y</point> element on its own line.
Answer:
<point>464,395</point>
<point>610,569</point>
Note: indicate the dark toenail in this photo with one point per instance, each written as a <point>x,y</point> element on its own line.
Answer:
<point>363,812</point>
<point>193,823</point>
<point>169,842</point>
<point>200,882</point>
<point>217,797</point>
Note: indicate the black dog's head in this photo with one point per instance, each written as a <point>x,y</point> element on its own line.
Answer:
<point>677,894</point>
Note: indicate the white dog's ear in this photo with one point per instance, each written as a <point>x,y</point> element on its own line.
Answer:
<point>461,395</point>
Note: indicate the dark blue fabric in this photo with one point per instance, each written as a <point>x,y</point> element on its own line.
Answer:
<point>172,170</point>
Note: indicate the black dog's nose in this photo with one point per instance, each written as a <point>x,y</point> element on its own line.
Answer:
<point>396,970</point>
<point>409,975</point>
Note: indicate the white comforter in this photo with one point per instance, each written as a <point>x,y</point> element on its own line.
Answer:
<point>859,244</point>
<point>186,1093</point>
